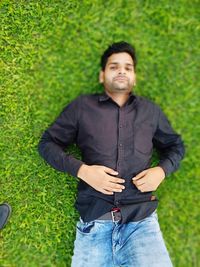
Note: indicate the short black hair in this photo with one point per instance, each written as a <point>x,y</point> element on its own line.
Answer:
<point>118,47</point>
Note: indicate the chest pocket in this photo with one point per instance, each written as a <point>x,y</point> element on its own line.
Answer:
<point>143,138</point>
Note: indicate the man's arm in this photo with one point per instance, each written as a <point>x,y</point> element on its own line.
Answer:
<point>58,136</point>
<point>171,150</point>
<point>168,144</point>
<point>56,139</point>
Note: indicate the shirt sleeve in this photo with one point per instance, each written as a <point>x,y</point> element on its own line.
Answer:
<point>58,136</point>
<point>168,144</point>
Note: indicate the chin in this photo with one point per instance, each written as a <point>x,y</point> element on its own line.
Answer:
<point>121,89</point>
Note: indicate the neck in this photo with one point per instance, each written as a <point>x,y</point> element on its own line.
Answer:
<point>119,98</point>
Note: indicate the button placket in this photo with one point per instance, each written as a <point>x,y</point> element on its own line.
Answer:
<point>120,145</point>
<point>120,149</point>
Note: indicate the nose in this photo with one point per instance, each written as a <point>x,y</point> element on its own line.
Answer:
<point>121,71</point>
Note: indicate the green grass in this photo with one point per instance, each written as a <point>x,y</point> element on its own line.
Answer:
<point>50,54</point>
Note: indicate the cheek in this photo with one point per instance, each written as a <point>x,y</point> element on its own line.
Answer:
<point>132,79</point>
<point>109,78</point>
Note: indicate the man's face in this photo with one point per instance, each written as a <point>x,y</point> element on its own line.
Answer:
<point>119,75</point>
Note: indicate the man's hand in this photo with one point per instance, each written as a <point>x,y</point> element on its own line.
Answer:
<point>97,176</point>
<point>149,180</point>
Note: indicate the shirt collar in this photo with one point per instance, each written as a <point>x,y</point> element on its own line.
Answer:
<point>104,96</point>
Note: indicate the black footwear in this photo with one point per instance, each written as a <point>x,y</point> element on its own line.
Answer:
<point>5,211</point>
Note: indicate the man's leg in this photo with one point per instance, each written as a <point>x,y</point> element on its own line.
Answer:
<point>93,244</point>
<point>141,244</point>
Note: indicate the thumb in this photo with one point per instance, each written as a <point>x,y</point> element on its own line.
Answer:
<point>139,175</point>
<point>111,171</point>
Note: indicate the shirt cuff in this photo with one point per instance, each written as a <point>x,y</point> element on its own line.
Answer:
<point>73,166</point>
<point>166,165</point>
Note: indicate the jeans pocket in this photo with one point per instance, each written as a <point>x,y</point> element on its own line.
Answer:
<point>85,227</point>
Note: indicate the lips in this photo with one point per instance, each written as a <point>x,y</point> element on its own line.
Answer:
<point>120,79</point>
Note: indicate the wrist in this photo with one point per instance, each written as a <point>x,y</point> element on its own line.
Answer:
<point>162,170</point>
<point>82,171</point>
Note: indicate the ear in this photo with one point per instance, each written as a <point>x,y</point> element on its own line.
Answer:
<point>101,76</point>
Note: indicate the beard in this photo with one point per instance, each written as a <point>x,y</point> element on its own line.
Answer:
<point>118,86</point>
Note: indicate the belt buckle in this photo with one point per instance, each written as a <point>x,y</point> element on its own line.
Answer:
<point>113,212</point>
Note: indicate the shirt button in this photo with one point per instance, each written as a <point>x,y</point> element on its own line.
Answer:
<point>120,144</point>
<point>120,126</point>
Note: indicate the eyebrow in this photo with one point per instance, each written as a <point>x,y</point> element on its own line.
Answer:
<point>118,63</point>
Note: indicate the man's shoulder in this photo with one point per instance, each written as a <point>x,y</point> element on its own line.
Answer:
<point>87,95</point>
<point>77,99</point>
<point>142,100</point>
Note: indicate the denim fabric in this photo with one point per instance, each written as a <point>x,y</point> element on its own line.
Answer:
<point>102,243</point>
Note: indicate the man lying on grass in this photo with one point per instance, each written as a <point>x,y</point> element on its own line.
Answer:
<point>116,132</point>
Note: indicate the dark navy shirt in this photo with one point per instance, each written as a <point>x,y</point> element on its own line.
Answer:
<point>121,138</point>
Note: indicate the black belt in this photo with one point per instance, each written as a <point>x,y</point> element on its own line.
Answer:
<point>114,215</point>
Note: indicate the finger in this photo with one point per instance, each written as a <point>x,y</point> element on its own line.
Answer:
<point>143,189</point>
<point>140,175</point>
<point>115,186</point>
<point>111,171</point>
<point>116,180</point>
<point>139,182</point>
<point>106,192</point>
<point>114,189</point>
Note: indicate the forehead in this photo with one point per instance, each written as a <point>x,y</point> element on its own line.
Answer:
<point>120,58</point>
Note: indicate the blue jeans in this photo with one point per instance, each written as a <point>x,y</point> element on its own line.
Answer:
<point>102,243</point>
